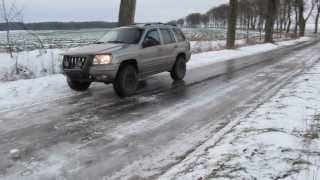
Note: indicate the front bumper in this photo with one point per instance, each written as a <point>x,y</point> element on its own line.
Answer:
<point>104,73</point>
<point>95,73</point>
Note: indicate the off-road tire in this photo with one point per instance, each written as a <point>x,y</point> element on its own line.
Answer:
<point>127,81</point>
<point>179,69</point>
<point>77,85</point>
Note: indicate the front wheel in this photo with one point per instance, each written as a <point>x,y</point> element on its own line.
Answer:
<point>179,69</point>
<point>127,81</point>
<point>78,85</point>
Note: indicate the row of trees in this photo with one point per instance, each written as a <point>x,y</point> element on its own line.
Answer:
<point>271,15</point>
<point>286,16</point>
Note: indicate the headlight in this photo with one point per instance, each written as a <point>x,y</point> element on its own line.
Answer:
<point>102,59</point>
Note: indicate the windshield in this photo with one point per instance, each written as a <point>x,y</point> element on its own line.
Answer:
<point>122,35</point>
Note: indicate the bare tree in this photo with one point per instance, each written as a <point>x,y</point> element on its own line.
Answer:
<point>9,14</point>
<point>271,12</point>
<point>232,24</point>
<point>266,16</point>
<point>302,19</point>
<point>127,12</point>
<point>289,12</point>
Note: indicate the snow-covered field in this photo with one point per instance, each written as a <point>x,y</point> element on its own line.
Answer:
<point>39,90</point>
<point>58,39</point>
<point>277,140</point>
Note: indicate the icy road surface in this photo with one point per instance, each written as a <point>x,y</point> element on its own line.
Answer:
<point>96,135</point>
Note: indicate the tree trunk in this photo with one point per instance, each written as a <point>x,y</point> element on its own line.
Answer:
<point>248,27</point>
<point>127,12</point>
<point>302,28</point>
<point>272,9</point>
<point>297,19</point>
<point>232,24</point>
<point>302,21</point>
<point>317,22</point>
<point>289,18</point>
<point>260,27</point>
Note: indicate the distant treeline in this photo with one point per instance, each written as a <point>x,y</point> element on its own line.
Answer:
<point>56,25</point>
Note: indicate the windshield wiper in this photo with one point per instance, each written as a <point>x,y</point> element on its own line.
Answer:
<point>117,41</point>
<point>98,42</point>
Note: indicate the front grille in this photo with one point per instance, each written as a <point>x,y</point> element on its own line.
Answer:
<point>75,62</point>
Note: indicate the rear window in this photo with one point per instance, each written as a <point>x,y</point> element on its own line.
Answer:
<point>180,36</point>
<point>167,36</point>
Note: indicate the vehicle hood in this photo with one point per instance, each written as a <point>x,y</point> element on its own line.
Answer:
<point>95,49</point>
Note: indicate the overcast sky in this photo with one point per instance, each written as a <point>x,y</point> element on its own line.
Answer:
<point>107,10</point>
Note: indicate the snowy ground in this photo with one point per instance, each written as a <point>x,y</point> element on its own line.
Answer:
<point>166,131</point>
<point>277,140</point>
<point>23,93</point>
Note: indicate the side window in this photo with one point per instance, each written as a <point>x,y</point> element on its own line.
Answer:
<point>152,39</point>
<point>167,36</point>
<point>180,36</point>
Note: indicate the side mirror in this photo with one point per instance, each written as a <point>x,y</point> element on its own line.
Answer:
<point>147,43</point>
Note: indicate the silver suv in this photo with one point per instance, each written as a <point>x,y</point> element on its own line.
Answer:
<point>126,55</point>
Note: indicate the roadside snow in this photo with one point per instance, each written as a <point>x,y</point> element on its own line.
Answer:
<point>37,63</point>
<point>205,46</point>
<point>204,59</point>
<point>34,91</point>
<point>278,140</point>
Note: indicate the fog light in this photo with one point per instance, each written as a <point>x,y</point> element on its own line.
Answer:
<point>102,78</point>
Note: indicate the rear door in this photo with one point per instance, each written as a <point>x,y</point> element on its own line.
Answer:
<point>169,46</point>
<point>182,43</point>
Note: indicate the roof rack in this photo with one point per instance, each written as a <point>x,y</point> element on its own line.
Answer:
<point>154,24</point>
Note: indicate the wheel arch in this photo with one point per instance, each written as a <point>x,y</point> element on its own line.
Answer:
<point>129,61</point>
<point>181,54</point>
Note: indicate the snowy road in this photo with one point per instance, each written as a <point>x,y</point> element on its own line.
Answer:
<point>97,135</point>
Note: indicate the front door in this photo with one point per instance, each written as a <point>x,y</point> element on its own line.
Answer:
<point>151,53</point>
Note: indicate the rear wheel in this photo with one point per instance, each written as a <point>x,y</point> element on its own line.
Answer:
<point>127,81</point>
<point>78,85</point>
<point>179,69</point>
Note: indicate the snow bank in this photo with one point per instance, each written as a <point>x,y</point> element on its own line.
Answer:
<point>206,58</point>
<point>33,91</point>
<point>38,63</point>
<point>293,42</point>
<point>205,46</point>
<point>203,59</point>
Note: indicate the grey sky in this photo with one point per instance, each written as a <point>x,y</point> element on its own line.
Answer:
<point>107,10</point>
